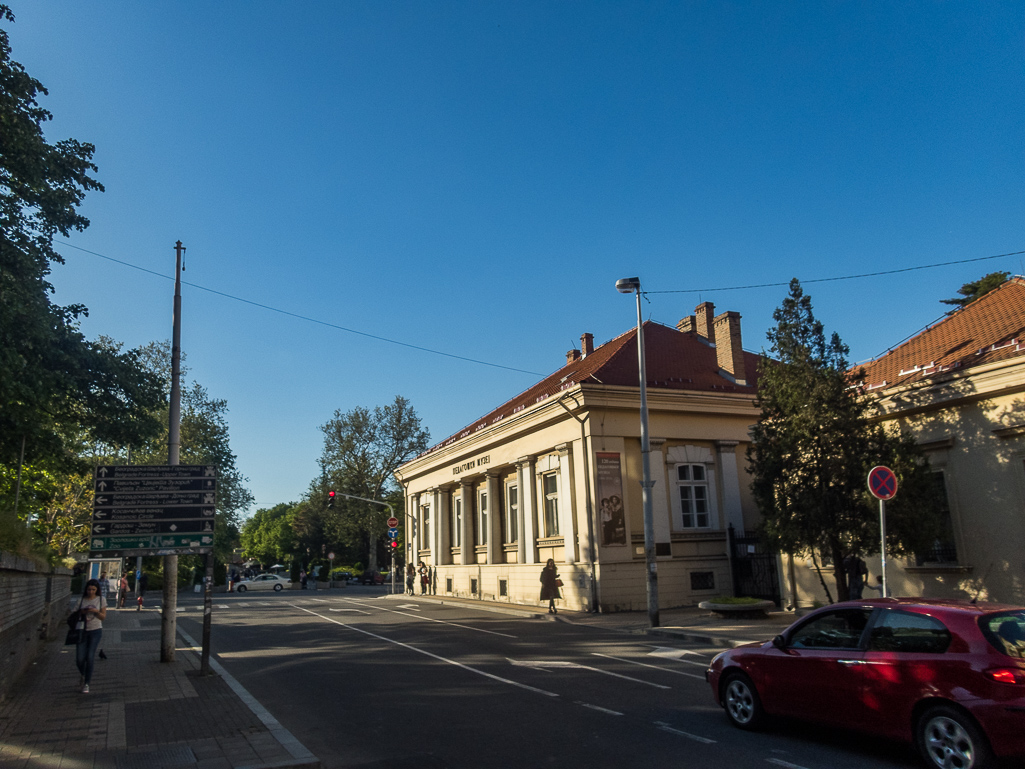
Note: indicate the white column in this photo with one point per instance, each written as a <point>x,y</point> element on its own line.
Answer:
<point>442,522</point>
<point>466,495</point>
<point>732,511</point>
<point>528,506</point>
<point>567,520</point>
<point>659,497</point>
<point>494,523</point>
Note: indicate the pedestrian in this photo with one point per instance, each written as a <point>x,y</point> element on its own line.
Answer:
<point>94,608</point>
<point>122,591</point>
<point>105,595</point>
<point>550,584</point>
<point>857,574</point>
<point>140,588</point>
<point>424,578</point>
<point>303,578</point>
<point>410,578</point>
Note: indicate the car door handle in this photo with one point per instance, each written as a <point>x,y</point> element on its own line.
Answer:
<point>851,662</point>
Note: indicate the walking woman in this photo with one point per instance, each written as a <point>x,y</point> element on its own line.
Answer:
<point>94,607</point>
<point>550,584</point>
<point>410,578</point>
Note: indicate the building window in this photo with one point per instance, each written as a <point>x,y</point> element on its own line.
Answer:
<point>550,489</point>
<point>425,517</point>
<point>692,488</point>
<point>943,549</point>
<point>512,511</point>
<point>457,522</point>
<point>702,580</point>
<point>482,518</point>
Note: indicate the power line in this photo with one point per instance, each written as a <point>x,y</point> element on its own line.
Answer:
<point>843,277</point>
<point>304,317</point>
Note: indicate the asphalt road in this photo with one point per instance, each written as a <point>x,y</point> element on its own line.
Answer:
<point>368,682</point>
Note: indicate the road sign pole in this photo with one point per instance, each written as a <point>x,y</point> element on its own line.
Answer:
<point>882,541</point>
<point>208,605</point>
<point>882,484</point>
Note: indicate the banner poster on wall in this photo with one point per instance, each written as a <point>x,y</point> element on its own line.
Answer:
<point>609,480</point>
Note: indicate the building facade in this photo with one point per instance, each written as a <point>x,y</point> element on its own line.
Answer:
<point>555,473</point>
<point>959,388</point>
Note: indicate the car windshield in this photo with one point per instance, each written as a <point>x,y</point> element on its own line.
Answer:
<point>1005,631</point>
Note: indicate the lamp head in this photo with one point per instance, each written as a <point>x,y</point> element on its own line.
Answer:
<point>628,285</point>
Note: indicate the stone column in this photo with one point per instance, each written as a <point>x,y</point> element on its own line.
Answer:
<point>730,478</point>
<point>494,523</point>
<point>528,509</point>
<point>659,497</point>
<point>567,519</point>
<point>442,522</point>
<point>466,550</point>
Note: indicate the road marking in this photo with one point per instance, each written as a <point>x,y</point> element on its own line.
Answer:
<point>221,606</point>
<point>780,762</point>
<point>542,664</point>
<point>653,667</point>
<point>599,709</point>
<point>358,611</point>
<point>676,655</point>
<point>428,654</point>
<point>412,606</point>
<point>667,728</point>
<point>430,619</point>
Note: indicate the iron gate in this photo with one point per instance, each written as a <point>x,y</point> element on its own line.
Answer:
<point>755,572</point>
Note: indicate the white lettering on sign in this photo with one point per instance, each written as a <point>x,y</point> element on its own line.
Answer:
<point>479,462</point>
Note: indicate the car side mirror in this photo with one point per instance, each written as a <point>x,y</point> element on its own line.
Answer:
<point>779,642</point>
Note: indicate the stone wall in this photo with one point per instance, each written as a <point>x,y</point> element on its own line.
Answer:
<point>33,604</point>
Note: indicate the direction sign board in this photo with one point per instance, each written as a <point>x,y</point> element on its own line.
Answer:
<point>393,522</point>
<point>393,533</point>
<point>882,483</point>
<point>153,510</point>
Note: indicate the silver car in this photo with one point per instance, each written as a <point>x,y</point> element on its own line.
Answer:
<point>263,582</point>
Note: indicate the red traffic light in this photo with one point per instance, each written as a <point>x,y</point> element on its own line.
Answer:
<point>331,494</point>
<point>330,499</point>
<point>394,543</point>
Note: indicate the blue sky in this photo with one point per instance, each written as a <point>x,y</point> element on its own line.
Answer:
<point>473,177</point>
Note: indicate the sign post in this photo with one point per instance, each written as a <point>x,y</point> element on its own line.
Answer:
<point>882,484</point>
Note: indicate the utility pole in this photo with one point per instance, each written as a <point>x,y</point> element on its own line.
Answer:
<point>168,614</point>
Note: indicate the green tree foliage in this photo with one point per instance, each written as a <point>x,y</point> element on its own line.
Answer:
<point>269,535</point>
<point>971,291</point>
<point>362,450</point>
<point>53,382</point>
<point>814,445</point>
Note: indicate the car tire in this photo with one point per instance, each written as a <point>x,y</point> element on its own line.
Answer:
<point>741,702</point>
<point>947,736</point>
<point>241,589</point>
<point>277,588</point>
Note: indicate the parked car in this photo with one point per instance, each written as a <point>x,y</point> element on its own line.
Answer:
<point>263,582</point>
<point>948,676</point>
<point>371,578</point>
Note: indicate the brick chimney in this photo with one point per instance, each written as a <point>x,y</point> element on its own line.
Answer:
<point>586,344</point>
<point>572,355</point>
<point>728,349</point>
<point>686,324</point>
<point>704,312</point>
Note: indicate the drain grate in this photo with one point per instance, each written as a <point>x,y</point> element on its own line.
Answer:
<point>157,759</point>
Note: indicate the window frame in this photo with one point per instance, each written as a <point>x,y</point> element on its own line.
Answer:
<point>680,516</point>
<point>550,504</point>
<point>482,517</point>
<point>512,510</point>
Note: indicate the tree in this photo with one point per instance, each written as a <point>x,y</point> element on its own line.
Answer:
<point>362,450</point>
<point>269,535</point>
<point>53,382</point>
<point>814,444</point>
<point>977,288</point>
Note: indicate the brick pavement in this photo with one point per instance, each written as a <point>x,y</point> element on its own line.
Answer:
<point>140,713</point>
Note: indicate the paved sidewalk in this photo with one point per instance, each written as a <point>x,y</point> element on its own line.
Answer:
<point>140,713</point>
<point>687,623</point>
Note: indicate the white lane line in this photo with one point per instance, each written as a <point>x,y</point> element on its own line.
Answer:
<point>676,655</point>
<point>667,728</point>
<point>599,709</point>
<point>358,611</point>
<point>542,664</point>
<point>430,619</point>
<point>654,667</point>
<point>786,764</point>
<point>428,654</point>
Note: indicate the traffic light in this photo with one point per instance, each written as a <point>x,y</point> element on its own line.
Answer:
<point>393,541</point>
<point>330,499</point>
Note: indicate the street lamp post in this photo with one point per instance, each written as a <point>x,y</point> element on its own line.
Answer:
<point>633,286</point>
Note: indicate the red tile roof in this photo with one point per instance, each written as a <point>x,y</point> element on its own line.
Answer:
<point>990,329</point>
<point>674,360</point>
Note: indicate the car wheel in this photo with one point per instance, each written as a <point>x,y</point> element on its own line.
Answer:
<point>277,588</point>
<point>741,701</point>
<point>241,588</point>
<point>949,739</point>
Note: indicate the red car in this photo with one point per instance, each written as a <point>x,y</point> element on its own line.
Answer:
<point>946,675</point>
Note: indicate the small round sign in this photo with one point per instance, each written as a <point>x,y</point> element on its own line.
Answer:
<point>330,556</point>
<point>393,522</point>
<point>882,483</point>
